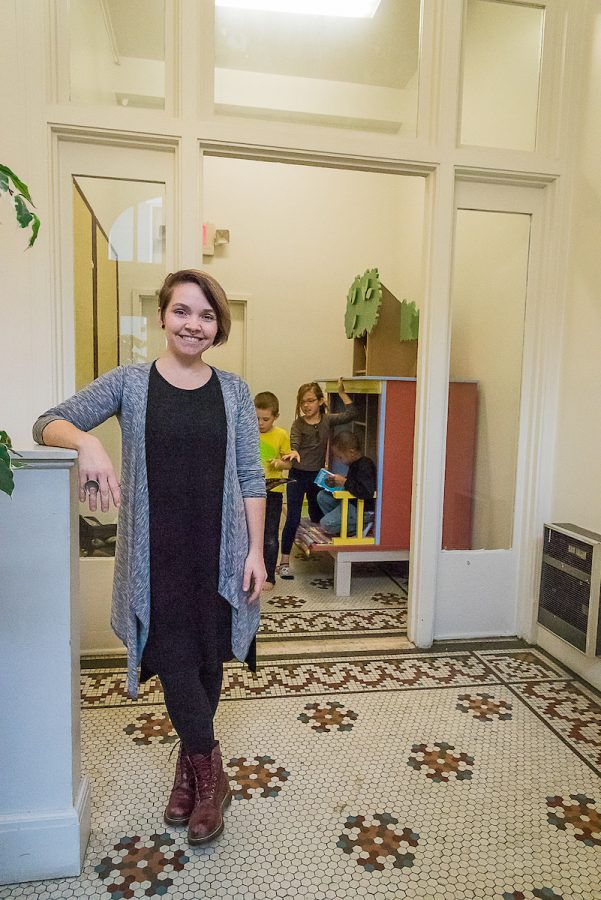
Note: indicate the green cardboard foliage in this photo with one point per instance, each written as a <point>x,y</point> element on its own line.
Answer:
<point>363,304</point>
<point>409,321</point>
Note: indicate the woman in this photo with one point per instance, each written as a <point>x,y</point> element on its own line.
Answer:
<point>189,559</point>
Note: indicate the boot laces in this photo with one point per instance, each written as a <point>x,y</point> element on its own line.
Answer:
<point>205,777</point>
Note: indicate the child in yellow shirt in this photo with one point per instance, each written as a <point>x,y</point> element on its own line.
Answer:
<point>275,443</point>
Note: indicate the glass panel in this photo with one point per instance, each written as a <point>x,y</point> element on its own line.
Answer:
<point>502,53</point>
<point>348,63</point>
<point>296,272</point>
<point>488,307</point>
<point>113,60</point>
<point>119,250</point>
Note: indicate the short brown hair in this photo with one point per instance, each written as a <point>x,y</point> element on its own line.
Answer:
<point>267,400</point>
<point>303,389</point>
<point>212,291</point>
<point>345,441</point>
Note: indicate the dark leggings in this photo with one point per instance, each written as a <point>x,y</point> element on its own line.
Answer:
<point>271,539</point>
<point>191,698</point>
<point>304,483</point>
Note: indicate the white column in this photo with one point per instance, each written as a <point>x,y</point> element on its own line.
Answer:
<point>44,799</point>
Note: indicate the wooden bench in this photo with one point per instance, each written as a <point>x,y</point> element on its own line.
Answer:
<point>344,549</point>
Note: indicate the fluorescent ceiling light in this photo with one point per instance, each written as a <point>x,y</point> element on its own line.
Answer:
<point>356,9</point>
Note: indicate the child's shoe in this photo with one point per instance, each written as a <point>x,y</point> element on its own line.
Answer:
<point>286,573</point>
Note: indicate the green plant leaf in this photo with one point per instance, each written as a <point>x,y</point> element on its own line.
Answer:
<point>7,482</point>
<point>4,439</point>
<point>20,185</point>
<point>4,185</point>
<point>35,227</point>
<point>24,215</point>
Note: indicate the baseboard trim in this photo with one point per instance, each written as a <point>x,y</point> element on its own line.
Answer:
<point>40,846</point>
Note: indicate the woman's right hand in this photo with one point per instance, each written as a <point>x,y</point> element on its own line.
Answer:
<point>294,454</point>
<point>95,466</point>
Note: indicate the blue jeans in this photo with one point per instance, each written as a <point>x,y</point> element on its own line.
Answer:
<point>332,514</point>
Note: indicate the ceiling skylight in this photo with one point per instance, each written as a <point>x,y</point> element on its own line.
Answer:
<point>356,9</point>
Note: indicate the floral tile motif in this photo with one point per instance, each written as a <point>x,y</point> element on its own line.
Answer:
<point>441,763</point>
<point>389,598</point>
<point>336,622</point>
<point>374,842</point>
<point>328,717</point>
<point>133,865</point>
<point>568,709</point>
<point>152,725</point>
<point>257,776</point>
<point>522,665</point>
<point>582,816</point>
<point>485,707</point>
<point>322,583</point>
<point>288,601</point>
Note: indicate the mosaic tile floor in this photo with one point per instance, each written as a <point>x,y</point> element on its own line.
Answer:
<point>307,607</point>
<point>467,774</point>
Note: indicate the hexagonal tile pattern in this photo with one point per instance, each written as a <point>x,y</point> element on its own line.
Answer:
<point>330,812</point>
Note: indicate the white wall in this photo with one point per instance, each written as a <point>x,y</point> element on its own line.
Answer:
<point>577,489</point>
<point>298,237</point>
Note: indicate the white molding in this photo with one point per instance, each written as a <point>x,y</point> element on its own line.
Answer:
<point>110,31</point>
<point>430,408</point>
<point>173,51</point>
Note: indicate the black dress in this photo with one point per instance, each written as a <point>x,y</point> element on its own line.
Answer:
<point>186,432</point>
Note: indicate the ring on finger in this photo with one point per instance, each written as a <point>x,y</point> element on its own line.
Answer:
<point>91,485</point>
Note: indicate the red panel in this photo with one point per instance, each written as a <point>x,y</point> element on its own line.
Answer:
<point>460,466</point>
<point>397,475</point>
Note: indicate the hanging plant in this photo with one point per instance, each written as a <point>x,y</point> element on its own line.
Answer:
<point>7,464</point>
<point>21,201</point>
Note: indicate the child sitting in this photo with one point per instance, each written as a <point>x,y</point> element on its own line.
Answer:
<point>274,443</point>
<point>360,480</point>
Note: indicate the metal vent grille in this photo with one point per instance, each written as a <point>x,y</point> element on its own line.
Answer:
<point>569,581</point>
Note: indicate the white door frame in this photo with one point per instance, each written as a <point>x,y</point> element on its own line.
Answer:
<point>435,573</point>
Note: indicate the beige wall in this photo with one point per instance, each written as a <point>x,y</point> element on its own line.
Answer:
<point>489,293</point>
<point>577,494</point>
<point>298,237</point>
<point>501,68</point>
<point>26,326</point>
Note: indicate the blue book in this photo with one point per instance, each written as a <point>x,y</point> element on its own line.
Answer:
<point>320,481</point>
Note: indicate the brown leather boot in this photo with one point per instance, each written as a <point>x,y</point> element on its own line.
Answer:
<point>212,796</point>
<point>181,802</point>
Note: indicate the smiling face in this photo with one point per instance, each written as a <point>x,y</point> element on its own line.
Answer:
<point>189,321</point>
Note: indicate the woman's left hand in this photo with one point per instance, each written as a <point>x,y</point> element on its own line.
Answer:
<point>254,575</point>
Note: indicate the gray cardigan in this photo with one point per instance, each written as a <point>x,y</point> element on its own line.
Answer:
<point>123,392</point>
